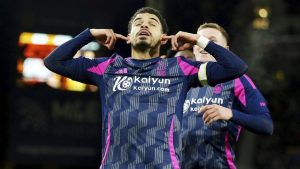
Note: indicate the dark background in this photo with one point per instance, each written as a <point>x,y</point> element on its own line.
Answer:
<point>30,136</point>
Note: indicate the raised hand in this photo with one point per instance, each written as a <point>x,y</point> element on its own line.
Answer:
<point>166,37</point>
<point>214,112</point>
<point>184,40</point>
<point>107,37</point>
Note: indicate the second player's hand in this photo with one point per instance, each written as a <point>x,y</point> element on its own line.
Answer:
<point>214,112</point>
<point>184,40</point>
<point>107,37</point>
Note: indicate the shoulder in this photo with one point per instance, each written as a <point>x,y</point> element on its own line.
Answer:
<point>184,59</point>
<point>244,81</point>
<point>111,58</point>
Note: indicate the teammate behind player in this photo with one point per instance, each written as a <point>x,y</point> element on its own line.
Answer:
<point>209,136</point>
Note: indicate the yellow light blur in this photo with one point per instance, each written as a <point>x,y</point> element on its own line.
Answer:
<point>279,75</point>
<point>43,39</point>
<point>74,85</point>
<point>25,38</point>
<point>51,39</point>
<point>20,65</point>
<point>54,81</point>
<point>263,12</point>
<point>260,23</point>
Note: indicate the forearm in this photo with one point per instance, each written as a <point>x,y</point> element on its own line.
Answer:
<point>228,65</point>
<point>257,123</point>
<point>56,60</point>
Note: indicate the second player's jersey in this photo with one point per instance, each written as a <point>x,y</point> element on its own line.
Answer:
<point>201,141</point>
<point>211,146</point>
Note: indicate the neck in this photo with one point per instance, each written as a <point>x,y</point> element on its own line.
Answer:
<point>148,53</point>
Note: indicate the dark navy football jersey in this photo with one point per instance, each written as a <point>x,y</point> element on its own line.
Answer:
<point>142,100</point>
<point>211,146</point>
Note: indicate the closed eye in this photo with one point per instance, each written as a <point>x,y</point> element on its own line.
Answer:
<point>152,23</point>
<point>138,24</point>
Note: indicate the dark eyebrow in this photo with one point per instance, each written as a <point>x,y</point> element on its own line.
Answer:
<point>137,19</point>
<point>155,20</point>
<point>150,18</point>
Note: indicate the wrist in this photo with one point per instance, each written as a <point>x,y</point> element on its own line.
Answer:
<point>202,41</point>
<point>229,114</point>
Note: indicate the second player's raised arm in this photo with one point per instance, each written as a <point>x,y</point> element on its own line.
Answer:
<point>228,65</point>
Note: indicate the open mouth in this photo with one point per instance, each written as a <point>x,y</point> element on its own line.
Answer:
<point>143,33</point>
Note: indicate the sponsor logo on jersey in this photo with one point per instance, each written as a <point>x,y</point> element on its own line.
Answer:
<point>194,104</point>
<point>140,83</point>
<point>122,83</point>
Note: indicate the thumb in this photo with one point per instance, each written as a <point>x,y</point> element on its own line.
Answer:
<point>200,110</point>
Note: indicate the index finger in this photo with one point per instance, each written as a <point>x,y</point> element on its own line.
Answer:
<point>167,37</point>
<point>204,108</point>
<point>119,36</point>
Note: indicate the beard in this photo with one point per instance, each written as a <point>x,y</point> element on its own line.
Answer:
<point>142,46</point>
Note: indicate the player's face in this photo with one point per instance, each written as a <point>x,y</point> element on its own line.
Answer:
<point>146,31</point>
<point>213,35</point>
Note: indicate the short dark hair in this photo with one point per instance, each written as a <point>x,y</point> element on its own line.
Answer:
<point>215,26</point>
<point>150,11</point>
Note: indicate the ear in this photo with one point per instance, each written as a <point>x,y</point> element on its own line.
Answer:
<point>163,39</point>
<point>129,39</point>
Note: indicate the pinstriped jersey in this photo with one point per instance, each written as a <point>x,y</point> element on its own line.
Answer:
<point>211,146</point>
<point>142,109</point>
<point>142,100</point>
<point>204,145</point>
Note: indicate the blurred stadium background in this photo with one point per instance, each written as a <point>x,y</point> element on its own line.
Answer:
<point>51,122</point>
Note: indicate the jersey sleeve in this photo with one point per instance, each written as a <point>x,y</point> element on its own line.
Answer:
<point>250,108</point>
<point>61,60</point>
<point>228,66</point>
<point>190,69</point>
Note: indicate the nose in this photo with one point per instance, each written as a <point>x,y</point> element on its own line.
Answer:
<point>144,25</point>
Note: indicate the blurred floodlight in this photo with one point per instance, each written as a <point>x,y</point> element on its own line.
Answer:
<point>263,12</point>
<point>60,39</point>
<point>43,39</point>
<point>39,38</point>
<point>34,69</point>
<point>260,23</point>
<point>93,46</point>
